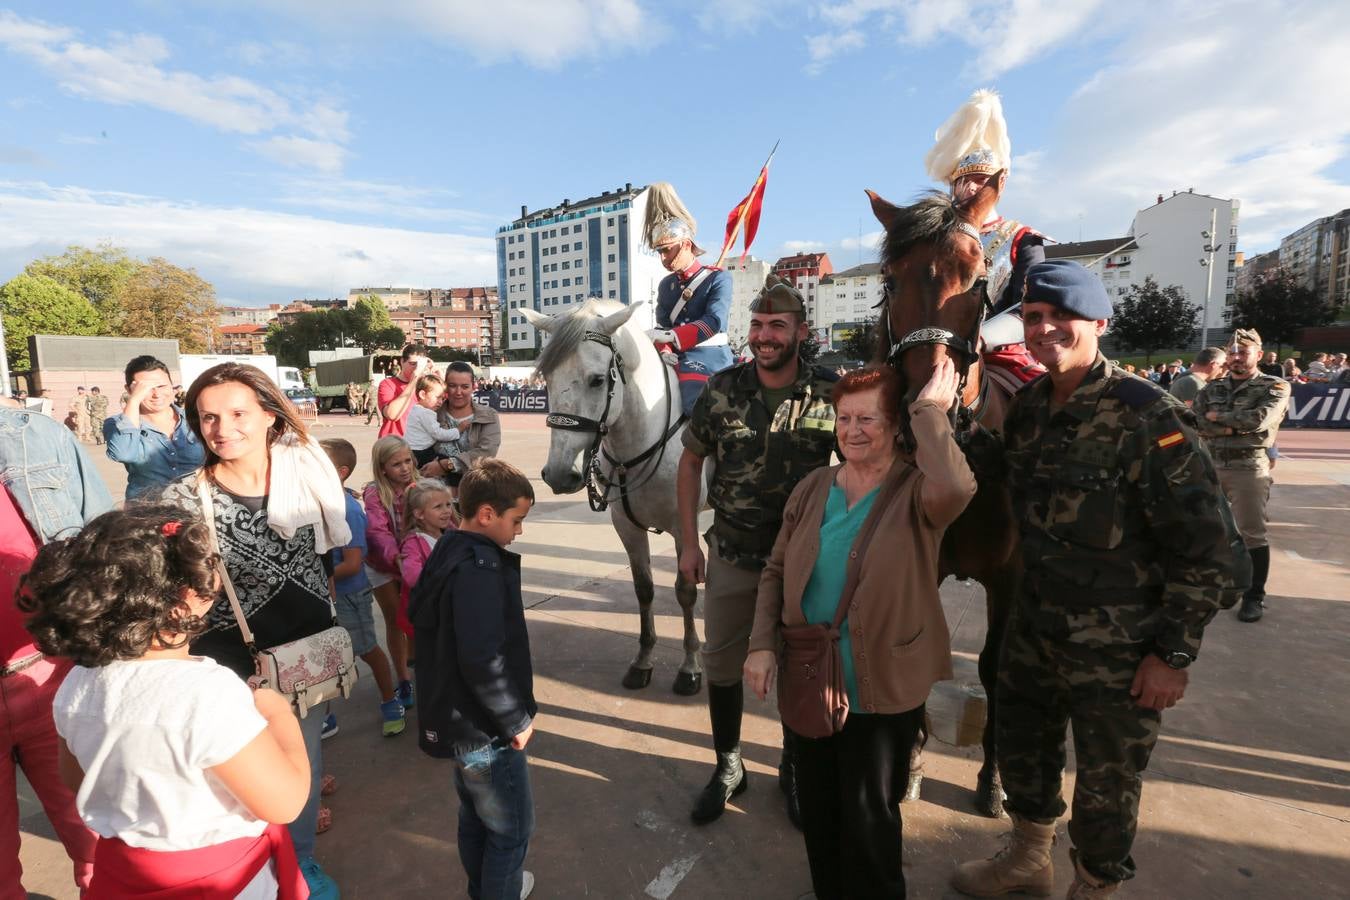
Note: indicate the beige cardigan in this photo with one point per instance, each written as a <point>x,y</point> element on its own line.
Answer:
<point>899,634</point>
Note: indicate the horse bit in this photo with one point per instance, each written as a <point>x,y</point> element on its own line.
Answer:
<point>597,485</point>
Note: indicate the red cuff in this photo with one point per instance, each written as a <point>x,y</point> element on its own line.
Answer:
<point>686,336</point>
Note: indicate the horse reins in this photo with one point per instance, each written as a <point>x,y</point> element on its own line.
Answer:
<point>597,485</point>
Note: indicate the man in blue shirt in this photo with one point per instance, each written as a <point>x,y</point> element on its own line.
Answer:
<point>151,436</point>
<point>693,302</point>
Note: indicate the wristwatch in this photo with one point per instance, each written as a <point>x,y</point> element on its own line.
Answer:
<point>1176,659</point>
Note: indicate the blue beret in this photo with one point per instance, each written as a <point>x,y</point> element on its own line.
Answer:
<point>1066,284</point>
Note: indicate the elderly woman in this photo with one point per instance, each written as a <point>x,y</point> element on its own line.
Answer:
<point>893,643</point>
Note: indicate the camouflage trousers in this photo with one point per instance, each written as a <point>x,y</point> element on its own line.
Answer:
<point>1044,685</point>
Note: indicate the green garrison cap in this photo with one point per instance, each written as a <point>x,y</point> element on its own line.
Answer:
<point>778,296</point>
<point>1246,336</point>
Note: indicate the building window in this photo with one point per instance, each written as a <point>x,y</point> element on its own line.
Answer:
<point>577,246</point>
<point>610,240</point>
<point>567,282</point>
<point>576,229</point>
<point>612,276</point>
<point>611,256</point>
<point>611,295</point>
<point>610,221</point>
<point>566,264</point>
<point>579,279</point>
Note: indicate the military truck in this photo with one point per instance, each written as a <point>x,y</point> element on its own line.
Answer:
<point>329,379</point>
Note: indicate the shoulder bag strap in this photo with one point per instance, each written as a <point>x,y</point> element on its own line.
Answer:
<point>859,550</point>
<point>209,514</point>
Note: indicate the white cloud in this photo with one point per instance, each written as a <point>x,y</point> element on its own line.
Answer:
<point>383,201</point>
<point>869,243</point>
<point>250,255</point>
<point>790,247</point>
<point>1185,102</point>
<point>303,153</point>
<point>821,48</point>
<point>130,70</point>
<point>1000,34</point>
<point>544,34</point>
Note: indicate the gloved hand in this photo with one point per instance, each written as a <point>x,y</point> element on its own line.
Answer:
<point>662,336</point>
<point>670,359</point>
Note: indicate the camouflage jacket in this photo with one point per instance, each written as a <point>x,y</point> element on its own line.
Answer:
<point>1126,535</point>
<point>759,454</point>
<point>98,406</point>
<point>1253,409</point>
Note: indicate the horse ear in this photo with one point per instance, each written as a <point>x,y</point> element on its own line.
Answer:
<point>976,209</point>
<point>883,209</point>
<point>616,320</point>
<point>539,320</point>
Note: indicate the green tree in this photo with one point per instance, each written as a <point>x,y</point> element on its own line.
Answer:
<point>37,304</point>
<point>162,300</point>
<point>317,330</point>
<point>1278,306</point>
<point>861,343</point>
<point>1150,318</point>
<point>99,274</point>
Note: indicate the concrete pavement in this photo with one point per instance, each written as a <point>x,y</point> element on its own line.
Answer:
<point>1247,796</point>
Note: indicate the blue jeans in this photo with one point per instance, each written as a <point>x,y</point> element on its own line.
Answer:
<point>302,829</point>
<point>496,819</point>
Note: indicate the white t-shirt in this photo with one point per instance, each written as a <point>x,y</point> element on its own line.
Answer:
<point>145,732</point>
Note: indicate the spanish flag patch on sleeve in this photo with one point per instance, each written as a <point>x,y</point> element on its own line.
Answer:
<point>1170,440</point>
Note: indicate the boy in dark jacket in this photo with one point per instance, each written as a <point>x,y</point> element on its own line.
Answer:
<point>475,686</point>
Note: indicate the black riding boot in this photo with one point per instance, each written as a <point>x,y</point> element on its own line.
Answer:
<point>1253,602</point>
<point>787,778</point>
<point>724,706</point>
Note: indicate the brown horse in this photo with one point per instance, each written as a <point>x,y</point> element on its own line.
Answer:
<point>935,298</point>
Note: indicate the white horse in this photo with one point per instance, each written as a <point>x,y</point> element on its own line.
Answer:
<point>614,410</point>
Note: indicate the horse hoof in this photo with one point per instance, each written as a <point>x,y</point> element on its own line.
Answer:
<point>687,684</point>
<point>989,798</point>
<point>636,679</point>
<point>912,789</point>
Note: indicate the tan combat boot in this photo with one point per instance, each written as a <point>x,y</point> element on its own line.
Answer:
<point>1087,886</point>
<point>1024,865</point>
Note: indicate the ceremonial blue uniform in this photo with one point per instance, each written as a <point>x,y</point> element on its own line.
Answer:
<point>700,326</point>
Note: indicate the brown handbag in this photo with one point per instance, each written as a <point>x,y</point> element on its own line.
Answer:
<point>812,695</point>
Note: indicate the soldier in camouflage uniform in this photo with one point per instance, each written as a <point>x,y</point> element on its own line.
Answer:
<point>766,424</point>
<point>98,411</point>
<point>1240,416</point>
<point>1129,551</point>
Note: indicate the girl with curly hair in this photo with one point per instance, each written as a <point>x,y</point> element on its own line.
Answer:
<point>175,764</point>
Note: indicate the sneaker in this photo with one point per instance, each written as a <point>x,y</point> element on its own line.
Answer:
<point>405,694</point>
<point>321,887</point>
<point>526,884</point>
<point>395,719</point>
<point>330,727</point>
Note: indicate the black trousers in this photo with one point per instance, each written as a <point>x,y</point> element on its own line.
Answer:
<point>850,786</point>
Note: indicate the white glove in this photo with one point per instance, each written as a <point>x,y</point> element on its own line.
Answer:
<point>670,359</point>
<point>662,336</point>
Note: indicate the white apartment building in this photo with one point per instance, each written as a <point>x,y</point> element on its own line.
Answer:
<point>1166,241</point>
<point>845,299</point>
<point>248,315</point>
<point>552,259</point>
<point>747,280</point>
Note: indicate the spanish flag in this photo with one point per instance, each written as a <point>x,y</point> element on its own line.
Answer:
<point>744,218</point>
<point>1169,440</point>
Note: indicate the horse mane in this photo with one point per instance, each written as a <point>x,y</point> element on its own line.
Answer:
<point>569,331</point>
<point>934,215</point>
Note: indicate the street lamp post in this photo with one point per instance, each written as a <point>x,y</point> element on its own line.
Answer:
<point>1211,244</point>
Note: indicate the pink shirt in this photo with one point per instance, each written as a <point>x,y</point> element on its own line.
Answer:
<point>390,388</point>
<point>18,547</point>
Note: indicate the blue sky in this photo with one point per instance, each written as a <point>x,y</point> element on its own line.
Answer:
<point>294,148</point>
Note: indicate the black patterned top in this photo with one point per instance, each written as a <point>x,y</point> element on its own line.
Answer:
<point>282,584</point>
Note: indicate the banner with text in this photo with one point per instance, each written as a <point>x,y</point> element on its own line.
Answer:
<point>1319,406</point>
<point>513,401</point>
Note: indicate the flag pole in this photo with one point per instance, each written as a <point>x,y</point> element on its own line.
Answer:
<point>745,211</point>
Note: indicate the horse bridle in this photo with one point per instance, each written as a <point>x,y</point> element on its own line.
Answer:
<point>597,485</point>
<point>961,416</point>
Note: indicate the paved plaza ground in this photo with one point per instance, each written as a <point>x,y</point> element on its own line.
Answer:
<point>1247,795</point>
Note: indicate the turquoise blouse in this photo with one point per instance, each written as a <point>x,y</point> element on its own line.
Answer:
<point>838,530</point>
